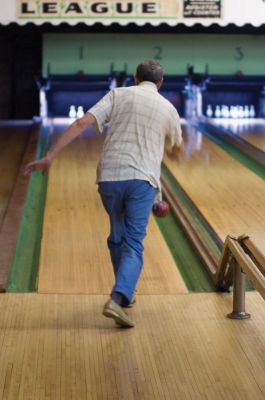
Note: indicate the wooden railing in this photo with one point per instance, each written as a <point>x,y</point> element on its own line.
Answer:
<point>241,258</point>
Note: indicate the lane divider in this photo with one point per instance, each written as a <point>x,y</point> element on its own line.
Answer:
<point>25,261</point>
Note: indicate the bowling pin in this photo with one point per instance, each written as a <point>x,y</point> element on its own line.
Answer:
<point>241,112</point>
<point>229,112</point>
<point>209,111</point>
<point>80,112</point>
<point>246,112</point>
<point>252,112</point>
<point>226,112</point>
<point>236,112</point>
<point>223,111</point>
<point>217,113</point>
<point>72,112</point>
<point>232,112</point>
<point>113,84</point>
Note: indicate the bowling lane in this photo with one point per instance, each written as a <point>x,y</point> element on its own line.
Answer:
<point>74,256</point>
<point>251,130</point>
<point>229,195</point>
<point>13,140</point>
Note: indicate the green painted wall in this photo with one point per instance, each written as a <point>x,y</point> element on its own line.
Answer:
<point>94,53</point>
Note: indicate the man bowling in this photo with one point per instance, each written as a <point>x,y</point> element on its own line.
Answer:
<point>128,173</point>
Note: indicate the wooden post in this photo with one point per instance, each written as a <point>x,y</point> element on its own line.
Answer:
<point>239,294</point>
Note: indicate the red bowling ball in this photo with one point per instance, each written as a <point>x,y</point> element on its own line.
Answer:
<point>160,209</point>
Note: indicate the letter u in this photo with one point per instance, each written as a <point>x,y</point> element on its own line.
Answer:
<point>121,10</point>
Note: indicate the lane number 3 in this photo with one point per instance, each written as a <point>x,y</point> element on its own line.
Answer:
<point>239,54</point>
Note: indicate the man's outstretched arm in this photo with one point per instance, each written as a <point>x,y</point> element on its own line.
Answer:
<point>70,133</point>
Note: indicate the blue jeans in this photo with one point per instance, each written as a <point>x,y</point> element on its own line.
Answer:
<point>128,204</point>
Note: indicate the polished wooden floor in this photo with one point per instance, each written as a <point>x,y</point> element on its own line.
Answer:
<point>60,347</point>
<point>252,131</point>
<point>74,255</point>
<point>229,195</point>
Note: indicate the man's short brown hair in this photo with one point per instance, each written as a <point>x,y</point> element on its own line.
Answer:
<point>149,70</point>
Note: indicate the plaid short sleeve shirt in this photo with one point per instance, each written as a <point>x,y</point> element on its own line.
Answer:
<point>139,121</point>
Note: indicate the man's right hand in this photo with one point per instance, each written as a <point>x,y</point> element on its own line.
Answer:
<point>39,165</point>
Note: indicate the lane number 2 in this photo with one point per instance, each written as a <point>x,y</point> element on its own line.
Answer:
<point>158,52</point>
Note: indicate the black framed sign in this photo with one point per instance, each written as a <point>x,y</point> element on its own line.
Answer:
<point>202,9</point>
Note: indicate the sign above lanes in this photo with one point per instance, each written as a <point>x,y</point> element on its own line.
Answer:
<point>155,12</point>
<point>99,9</point>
